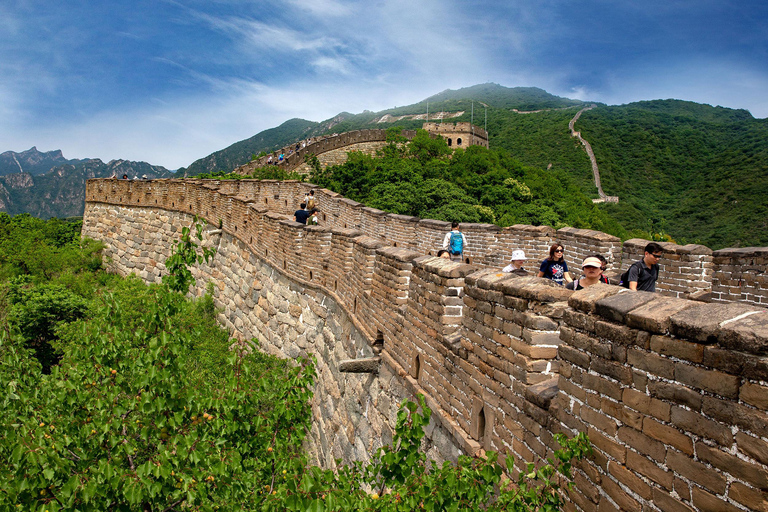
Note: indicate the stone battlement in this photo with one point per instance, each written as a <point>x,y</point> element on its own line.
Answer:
<point>671,391</point>
<point>689,271</point>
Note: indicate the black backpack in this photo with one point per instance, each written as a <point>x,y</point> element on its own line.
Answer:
<point>624,279</point>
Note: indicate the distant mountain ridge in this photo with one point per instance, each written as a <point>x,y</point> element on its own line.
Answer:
<point>46,184</point>
<point>32,161</point>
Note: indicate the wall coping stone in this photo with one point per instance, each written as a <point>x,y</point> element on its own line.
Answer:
<point>346,232</point>
<point>444,268</point>
<point>654,316</point>
<point>404,218</point>
<point>741,251</point>
<point>536,288</point>
<point>692,249</point>
<point>494,280</point>
<point>586,298</point>
<point>438,224</point>
<point>543,230</point>
<point>747,334</point>
<point>258,208</point>
<point>350,202</point>
<point>702,322</point>
<point>588,233</point>
<point>317,229</point>
<point>617,306</point>
<point>277,217</point>
<point>369,242</point>
<point>398,253</point>
<point>486,278</point>
<point>472,227</point>
<point>374,211</point>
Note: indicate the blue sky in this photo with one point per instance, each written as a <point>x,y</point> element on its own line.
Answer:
<point>170,81</point>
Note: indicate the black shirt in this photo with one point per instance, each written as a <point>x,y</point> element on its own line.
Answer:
<point>301,216</point>
<point>645,277</point>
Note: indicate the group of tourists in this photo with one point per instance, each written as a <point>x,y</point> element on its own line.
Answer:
<point>641,275</point>
<point>307,212</point>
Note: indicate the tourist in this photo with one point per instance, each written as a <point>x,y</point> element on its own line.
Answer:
<point>642,274</point>
<point>312,220</point>
<point>454,242</point>
<point>592,272</point>
<point>516,264</point>
<point>442,253</point>
<point>603,266</point>
<point>301,215</point>
<point>555,267</point>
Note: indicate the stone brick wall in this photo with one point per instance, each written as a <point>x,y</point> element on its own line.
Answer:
<point>671,391</point>
<point>672,394</point>
<point>741,275</point>
<point>686,271</point>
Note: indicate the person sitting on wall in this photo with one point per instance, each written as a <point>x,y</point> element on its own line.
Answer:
<point>555,267</point>
<point>444,254</point>
<point>592,272</point>
<point>301,215</point>
<point>516,265</point>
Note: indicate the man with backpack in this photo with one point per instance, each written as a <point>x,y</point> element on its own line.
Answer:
<point>454,242</point>
<point>642,275</point>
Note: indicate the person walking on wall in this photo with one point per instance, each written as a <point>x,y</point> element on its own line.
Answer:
<point>310,200</point>
<point>555,267</point>
<point>592,272</point>
<point>454,242</point>
<point>301,215</point>
<point>516,265</point>
<point>642,274</point>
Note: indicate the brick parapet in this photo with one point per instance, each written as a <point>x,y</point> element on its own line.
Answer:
<point>741,274</point>
<point>664,387</point>
<point>686,271</point>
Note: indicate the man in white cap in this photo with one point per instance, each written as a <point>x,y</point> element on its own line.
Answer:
<point>516,265</point>
<point>592,268</point>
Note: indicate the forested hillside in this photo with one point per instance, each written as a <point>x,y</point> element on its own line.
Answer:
<point>425,178</point>
<point>683,171</point>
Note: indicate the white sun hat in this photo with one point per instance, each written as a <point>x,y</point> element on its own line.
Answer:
<point>518,254</point>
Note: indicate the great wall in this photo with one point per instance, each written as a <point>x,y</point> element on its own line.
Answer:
<point>333,149</point>
<point>673,392</point>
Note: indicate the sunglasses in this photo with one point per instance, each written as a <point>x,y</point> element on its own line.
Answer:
<point>657,256</point>
<point>559,250</point>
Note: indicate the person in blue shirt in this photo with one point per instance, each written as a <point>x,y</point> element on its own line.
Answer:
<point>555,267</point>
<point>302,215</point>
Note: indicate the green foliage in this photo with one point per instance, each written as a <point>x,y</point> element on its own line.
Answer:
<point>37,312</point>
<point>400,478</point>
<point>123,423</point>
<point>183,255</point>
<point>473,185</point>
<point>270,172</point>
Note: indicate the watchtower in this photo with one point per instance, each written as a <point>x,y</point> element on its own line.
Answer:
<point>459,135</point>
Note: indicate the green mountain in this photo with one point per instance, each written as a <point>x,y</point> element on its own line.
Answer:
<point>684,171</point>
